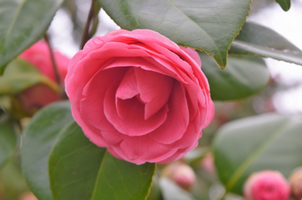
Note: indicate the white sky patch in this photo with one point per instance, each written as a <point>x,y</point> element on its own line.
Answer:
<point>288,24</point>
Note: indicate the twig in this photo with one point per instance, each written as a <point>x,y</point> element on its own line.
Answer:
<point>55,68</point>
<point>86,36</point>
<point>54,64</point>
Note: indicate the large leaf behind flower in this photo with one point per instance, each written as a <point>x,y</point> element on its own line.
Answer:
<point>269,141</point>
<point>38,139</point>
<point>206,25</point>
<point>257,40</point>
<point>243,77</point>
<point>21,24</point>
<point>79,170</point>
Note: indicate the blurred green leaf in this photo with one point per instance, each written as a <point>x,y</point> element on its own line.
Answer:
<point>38,139</point>
<point>12,183</point>
<point>8,140</point>
<point>79,170</point>
<point>269,141</point>
<point>210,26</point>
<point>243,77</point>
<point>22,23</point>
<point>20,75</point>
<point>285,4</point>
<point>257,40</point>
<point>155,191</point>
<point>171,191</point>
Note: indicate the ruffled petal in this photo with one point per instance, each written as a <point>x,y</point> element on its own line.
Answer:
<point>154,90</point>
<point>131,122</point>
<point>143,149</point>
<point>178,118</point>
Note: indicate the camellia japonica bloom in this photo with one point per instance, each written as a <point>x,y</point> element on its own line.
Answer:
<point>266,185</point>
<point>139,95</point>
<point>40,95</point>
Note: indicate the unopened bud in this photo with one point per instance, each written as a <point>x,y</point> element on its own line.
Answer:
<point>28,196</point>
<point>295,181</point>
<point>207,164</point>
<point>181,173</point>
<point>266,185</point>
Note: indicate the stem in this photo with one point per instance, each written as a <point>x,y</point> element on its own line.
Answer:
<point>55,68</point>
<point>86,36</point>
<point>54,64</point>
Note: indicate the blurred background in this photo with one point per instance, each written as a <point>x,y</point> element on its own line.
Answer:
<point>283,94</point>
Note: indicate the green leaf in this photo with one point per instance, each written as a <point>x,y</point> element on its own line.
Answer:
<point>38,139</point>
<point>8,140</point>
<point>79,170</point>
<point>210,26</point>
<point>257,40</point>
<point>269,141</point>
<point>285,4</point>
<point>21,24</point>
<point>12,183</point>
<point>243,77</point>
<point>20,75</point>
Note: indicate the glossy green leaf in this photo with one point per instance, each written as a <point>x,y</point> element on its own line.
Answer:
<point>21,24</point>
<point>269,141</point>
<point>243,77</point>
<point>20,75</point>
<point>8,140</point>
<point>79,170</point>
<point>285,4</point>
<point>38,139</point>
<point>206,25</point>
<point>257,40</point>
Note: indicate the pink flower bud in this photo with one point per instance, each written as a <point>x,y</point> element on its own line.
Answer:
<point>295,181</point>
<point>181,173</point>
<point>207,164</point>
<point>39,95</point>
<point>266,185</point>
<point>28,196</point>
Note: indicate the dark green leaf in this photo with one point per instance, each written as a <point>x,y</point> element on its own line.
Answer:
<point>8,141</point>
<point>257,40</point>
<point>20,75</point>
<point>285,4</point>
<point>38,139</point>
<point>206,25</point>
<point>243,77</point>
<point>269,141</point>
<point>79,170</point>
<point>21,24</point>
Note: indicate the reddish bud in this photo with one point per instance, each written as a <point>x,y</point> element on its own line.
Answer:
<point>295,182</point>
<point>266,185</point>
<point>181,173</point>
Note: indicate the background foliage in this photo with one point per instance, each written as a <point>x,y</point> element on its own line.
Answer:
<point>48,154</point>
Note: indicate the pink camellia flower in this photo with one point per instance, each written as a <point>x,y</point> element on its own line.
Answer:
<point>139,95</point>
<point>266,185</point>
<point>295,181</point>
<point>40,95</point>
